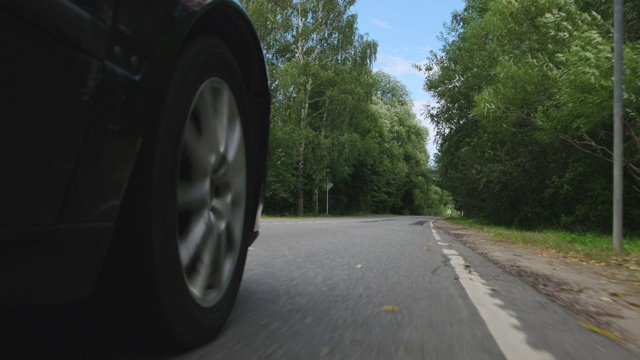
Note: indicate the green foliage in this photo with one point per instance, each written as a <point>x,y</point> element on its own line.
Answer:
<point>335,120</point>
<point>524,89</point>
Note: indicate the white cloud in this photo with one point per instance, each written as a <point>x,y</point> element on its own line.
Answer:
<point>418,109</point>
<point>380,23</point>
<point>396,65</point>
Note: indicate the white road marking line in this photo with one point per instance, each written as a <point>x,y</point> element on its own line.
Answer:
<point>435,234</point>
<point>442,243</point>
<point>503,324</point>
<point>450,252</point>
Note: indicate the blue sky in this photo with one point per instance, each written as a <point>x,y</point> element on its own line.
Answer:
<point>406,30</point>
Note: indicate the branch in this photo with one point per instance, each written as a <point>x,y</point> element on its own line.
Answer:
<point>633,134</point>
<point>578,144</point>
<point>634,169</point>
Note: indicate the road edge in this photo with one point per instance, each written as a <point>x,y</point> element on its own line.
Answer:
<point>613,326</point>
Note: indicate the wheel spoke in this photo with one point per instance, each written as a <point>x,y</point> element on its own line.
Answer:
<point>197,154</point>
<point>232,244</point>
<point>196,233</point>
<point>221,120</point>
<point>212,103</point>
<point>234,149</point>
<point>202,277</point>
<point>236,206</point>
<point>220,256</point>
<point>206,104</point>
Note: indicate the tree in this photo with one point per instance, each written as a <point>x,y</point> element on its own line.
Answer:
<point>524,111</point>
<point>318,56</point>
<point>334,119</point>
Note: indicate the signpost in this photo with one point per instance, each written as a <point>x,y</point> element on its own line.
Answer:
<point>329,186</point>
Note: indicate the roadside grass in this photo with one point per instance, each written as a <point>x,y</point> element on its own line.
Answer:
<point>586,247</point>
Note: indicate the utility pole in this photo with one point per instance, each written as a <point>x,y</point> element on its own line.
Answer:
<point>618,143</point>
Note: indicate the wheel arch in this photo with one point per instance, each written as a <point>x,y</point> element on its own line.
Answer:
<point>227,21</point>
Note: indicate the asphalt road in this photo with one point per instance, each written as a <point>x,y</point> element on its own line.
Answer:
<point>382,288</point>
<point>387,288</point>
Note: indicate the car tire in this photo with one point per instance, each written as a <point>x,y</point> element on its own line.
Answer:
<point>186,220</point>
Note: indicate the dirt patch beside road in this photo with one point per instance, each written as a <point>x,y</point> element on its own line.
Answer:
<point>606,297</point>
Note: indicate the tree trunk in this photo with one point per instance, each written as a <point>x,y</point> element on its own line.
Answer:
<point>300,190</point>
<point>315,198</point>
<point>303,125</point>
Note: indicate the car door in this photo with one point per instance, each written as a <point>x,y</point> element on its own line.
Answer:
<point>50,67</point>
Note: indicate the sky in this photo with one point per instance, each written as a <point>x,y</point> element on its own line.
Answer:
<point>406,30</point>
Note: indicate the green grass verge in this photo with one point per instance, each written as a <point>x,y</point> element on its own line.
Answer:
<point>588,247</point>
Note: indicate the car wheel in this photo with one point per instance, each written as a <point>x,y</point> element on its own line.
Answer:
<point>186,214</point>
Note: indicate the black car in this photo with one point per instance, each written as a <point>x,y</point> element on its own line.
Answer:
<point>134,140</point>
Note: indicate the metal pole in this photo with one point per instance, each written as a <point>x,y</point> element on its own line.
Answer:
<point>327,197</point>
<point>618,149</point>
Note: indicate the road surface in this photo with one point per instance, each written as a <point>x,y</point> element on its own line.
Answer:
<point>381,288</point>
<point>389,288</point>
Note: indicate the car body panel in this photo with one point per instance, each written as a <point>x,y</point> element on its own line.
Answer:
<point>47,107</point>
<point>83,116</point>
<point>51,264</point>
<point>81,24</point>
<point>128,117</point>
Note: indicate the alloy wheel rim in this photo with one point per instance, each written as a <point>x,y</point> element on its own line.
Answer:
<point>211,192</point>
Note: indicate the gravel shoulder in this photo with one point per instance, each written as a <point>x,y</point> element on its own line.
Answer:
<point>605,298</point>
